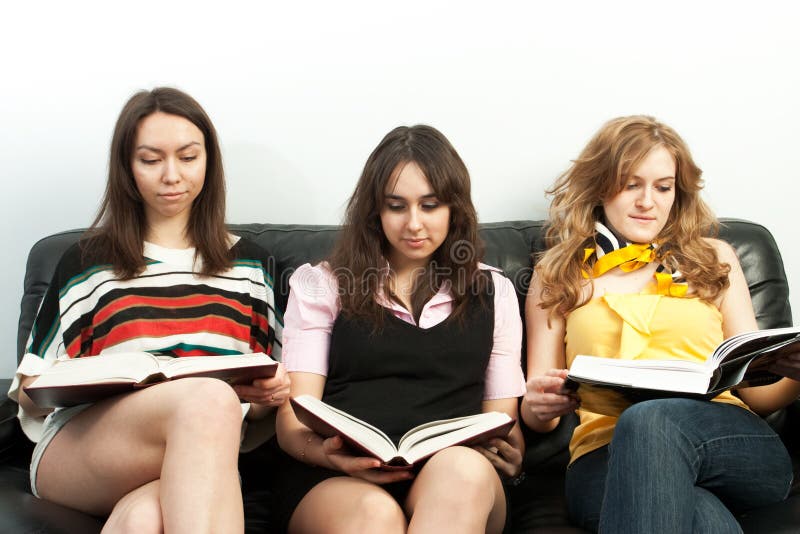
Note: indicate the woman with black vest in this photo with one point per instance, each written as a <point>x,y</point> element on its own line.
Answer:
<point>401,326</point>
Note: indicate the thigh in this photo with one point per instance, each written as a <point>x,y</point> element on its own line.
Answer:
<point>733,452</point>
<point>585,486</point>
<point>464,474</point>
<point>347,504</point>
<point>118,444</point>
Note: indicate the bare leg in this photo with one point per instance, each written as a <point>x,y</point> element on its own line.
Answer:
<point>457,491</point>
<point>347,504</point>
<point>138,512</point>
<point>183,433</point>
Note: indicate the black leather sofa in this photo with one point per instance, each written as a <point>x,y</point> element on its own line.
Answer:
<point>537,504</point>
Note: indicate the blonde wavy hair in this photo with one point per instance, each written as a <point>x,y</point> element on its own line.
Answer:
<point>598,174</point>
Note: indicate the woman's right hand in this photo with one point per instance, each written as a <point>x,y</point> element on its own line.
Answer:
<point>546,397</point>
<point>361,467</point>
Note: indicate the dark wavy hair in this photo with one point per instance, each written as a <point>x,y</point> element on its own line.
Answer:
<point>117,233</point>
<point>362,248</point>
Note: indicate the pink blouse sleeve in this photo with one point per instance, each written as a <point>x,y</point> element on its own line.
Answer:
<point>504,376</point>
<point>307,323</point>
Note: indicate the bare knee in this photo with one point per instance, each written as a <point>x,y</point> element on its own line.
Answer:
<point>136,513</point>
<point>345,505</point>
<point>465,469</point>
<point>207,406</point>
<point>377,511</point>
<point>458,490</point>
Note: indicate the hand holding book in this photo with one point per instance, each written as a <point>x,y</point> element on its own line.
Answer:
<point>788,366</point>
<point>546,398</point>
<point>368,468</point>
<point>416,445</point>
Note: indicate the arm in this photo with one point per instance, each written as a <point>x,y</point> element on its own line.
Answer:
<point>306,446</point>
<point>25,402</point>
<point>506,455</point>
<point>264,395</point>
<point>737,317</point>
<point>45,346</point>
<point>544,403</point>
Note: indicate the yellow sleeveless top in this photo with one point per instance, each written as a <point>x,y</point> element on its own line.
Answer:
<point>639,326</point>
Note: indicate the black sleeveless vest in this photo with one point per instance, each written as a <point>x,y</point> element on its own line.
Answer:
<point>403,376</point>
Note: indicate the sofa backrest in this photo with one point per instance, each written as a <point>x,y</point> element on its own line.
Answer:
<point>508,245</point>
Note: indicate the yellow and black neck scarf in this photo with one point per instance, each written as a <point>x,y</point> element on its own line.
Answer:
<point>612,250</point>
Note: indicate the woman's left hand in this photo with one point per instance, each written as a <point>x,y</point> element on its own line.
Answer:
<point>788,365</point>
<point>504,454</point>
<point>266,391</point>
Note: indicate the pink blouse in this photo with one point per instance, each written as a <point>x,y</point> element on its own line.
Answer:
<point>313,307</point>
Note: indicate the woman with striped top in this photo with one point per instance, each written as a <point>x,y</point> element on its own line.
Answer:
<point>157,272</point>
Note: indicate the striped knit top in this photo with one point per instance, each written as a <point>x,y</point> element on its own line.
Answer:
<point>169,309</point>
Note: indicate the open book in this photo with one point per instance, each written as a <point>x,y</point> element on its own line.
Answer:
<point>417,444</point>
<point>92,378</point>
<point>739,361</point>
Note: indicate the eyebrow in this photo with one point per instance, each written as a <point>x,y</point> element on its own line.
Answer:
<point>154,149</point>
<point>398,197</point>
<point>657,179</point>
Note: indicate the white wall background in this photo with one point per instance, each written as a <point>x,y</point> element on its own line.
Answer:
<point>301,92</point>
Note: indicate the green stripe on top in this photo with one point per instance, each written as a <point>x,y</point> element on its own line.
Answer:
<point>48,339</point>
<point>256,264</point>
<point>82,277</point>
<point>205,348</point>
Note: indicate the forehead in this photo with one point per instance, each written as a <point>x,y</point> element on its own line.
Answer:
<point>656,164</point>
<point>164,131</point>
<point>408,180</point>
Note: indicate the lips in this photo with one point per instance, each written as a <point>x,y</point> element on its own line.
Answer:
<point>415,242</point>
<point>172,196</point>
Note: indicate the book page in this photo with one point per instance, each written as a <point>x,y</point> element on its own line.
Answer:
<point>361,432</point>
<point>755,341</point>
<point>126,366</point>
<point>436,437</point>
<point>198,364</point>
<point>665,375</point>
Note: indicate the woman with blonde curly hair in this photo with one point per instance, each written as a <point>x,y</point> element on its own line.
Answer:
<point>630,273</point>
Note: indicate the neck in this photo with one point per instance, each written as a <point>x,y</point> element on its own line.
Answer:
<point>169,234</point>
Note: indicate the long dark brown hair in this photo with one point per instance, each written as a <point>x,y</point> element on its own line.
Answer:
<point>117,233</point>
<point>362,248</point>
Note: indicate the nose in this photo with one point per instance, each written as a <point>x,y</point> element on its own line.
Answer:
<point>171,173</point>
<point>414,220</point>
<point>645,199</point>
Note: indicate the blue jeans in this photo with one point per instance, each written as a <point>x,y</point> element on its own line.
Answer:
<point>679,465</point>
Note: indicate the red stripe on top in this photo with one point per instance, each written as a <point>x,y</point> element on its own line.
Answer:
<point>182,302</point>
<point>74,348</point>
<point>143,328</point>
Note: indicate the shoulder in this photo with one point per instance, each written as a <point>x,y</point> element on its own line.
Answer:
<point>245,248</point>
<point>725,252</point>
<point>81,259</point>
<point>503,286</point>
<point>314,287</point>
<point>314,279</point>
<point>498,276</point>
